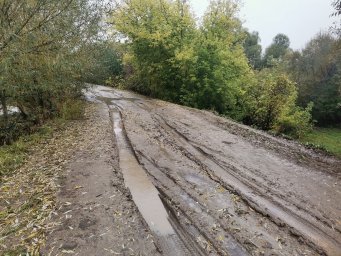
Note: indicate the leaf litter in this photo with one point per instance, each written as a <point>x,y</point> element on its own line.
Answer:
<point>28,194</point>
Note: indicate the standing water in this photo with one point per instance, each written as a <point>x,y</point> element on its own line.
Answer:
<point>145,195</point>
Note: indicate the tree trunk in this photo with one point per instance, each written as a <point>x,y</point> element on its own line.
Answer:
<point>4,105</point>
<point>22,111</point>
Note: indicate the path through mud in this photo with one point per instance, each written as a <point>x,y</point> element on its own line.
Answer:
<point>208,186</point>
<point>146,196</point>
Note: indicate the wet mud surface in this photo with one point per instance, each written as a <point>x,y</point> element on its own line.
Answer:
<point>226,189</point>
<point>95,214</point>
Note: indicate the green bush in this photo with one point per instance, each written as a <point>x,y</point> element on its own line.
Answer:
<point>14,127</point>
<point>296,123</point>
<point>271,105</point>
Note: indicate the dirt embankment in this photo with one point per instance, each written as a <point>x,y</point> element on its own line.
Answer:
<point>232,189</point>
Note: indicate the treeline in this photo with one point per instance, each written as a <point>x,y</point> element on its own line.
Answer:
<point>218,65</point>
<point>49,49</point>
<point>44,58</point>
<point>316,71</point>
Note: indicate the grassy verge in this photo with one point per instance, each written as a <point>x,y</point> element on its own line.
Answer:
<point>13,156</point>
<point>29,169</point>
<point>328,139</point>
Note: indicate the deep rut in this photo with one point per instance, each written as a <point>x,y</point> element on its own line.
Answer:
<point>275,208</point>
<point>172,238</point>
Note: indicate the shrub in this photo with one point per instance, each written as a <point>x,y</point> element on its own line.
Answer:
<point>12,128</point>
<point>295,123</point>
<point>72,109</point>
<point>271,105</point>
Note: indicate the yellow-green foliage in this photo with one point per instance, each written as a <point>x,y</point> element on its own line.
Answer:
<point>294,121</point>
<point>271,105</point>
<point>171,58</point>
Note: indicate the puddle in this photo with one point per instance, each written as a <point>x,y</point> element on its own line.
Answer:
<point>145,195</point>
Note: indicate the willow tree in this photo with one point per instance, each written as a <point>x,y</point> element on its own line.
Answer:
<point>40,51</point>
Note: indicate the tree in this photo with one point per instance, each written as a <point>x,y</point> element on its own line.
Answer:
<point>221,69</point>
<point>317,71</point>
<point>253,49</point>
<point>172,59</point>
<point>106,62</point>
<point>337,5</point>
<point>158,37</point>
<point>337,25</point>
<point>38,44</point>
<point>41,61</point>
<point>205,66</point>
<point>276,51</point>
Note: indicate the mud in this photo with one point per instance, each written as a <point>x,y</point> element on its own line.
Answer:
<point>171,241</point>
<point>145,195</point>
<point>229,189</point>
<point>95,214</point>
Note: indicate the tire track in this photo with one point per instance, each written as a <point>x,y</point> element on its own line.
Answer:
<point>172,238</point>
<point>312,234</point>
<point>186,172</point>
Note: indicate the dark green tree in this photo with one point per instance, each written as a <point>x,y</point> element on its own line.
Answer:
<point>317,71</point>
<point>253,49</point>
<point>276,51</point>
<point>107,65</point>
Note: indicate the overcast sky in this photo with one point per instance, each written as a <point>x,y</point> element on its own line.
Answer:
<point>298,19</point>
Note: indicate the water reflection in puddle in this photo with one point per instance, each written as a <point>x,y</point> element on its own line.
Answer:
<point>145,195</point>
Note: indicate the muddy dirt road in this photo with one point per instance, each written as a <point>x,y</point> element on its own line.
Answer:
<point>208,186</point>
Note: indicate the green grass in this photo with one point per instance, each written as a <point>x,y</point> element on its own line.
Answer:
<point>328,139</point>
<point>12,156</point>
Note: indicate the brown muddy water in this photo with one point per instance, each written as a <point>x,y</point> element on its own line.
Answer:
<point>144,194</point>
<point>171,238</point>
